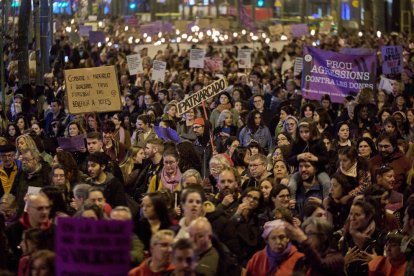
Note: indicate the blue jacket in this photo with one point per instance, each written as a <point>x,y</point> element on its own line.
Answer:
<point>262,136</point>
<point>302,196</point>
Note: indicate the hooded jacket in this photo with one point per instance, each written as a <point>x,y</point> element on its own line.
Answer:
<point>113,190</point>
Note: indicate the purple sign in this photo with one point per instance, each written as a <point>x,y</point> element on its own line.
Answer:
<point>393,59</point>
<point>338,75</point>
<point>299,30</point>
<point>167,134</point>
<point>148,29</point>
<point>189,26</point>
<point>84,30</point>
<point>92,247</point>
<point>71,144</point>
<point>127,17</point>
<point>167,28</point>
<point>96,37</point>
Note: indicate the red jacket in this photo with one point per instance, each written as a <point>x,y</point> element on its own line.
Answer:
<point>259,264</point>
<point>400,163</point>
<point>381,266</point>
<point>144,270</point>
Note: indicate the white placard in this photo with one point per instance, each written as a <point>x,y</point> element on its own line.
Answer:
<point>244,58</point>
<point>33,190</point>
<point>135,64</point>
<point>196,58</point>
<point>386,84</point>
<point>92,17</point>
<point>158,70</point>
<point>298,66</point>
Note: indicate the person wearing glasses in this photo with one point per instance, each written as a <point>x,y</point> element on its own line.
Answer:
<point>8,168</point>
<point>170,175</point>
<point>280,255</point>
<point>258,171</point>
<point>36,216</point>
<point>390,154</point>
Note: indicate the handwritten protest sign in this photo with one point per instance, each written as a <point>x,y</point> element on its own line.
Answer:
<point>34,190</point>
<point>196,58</point>
<point>181,25</point>
<point>135,64</point>
<point>133,22</point>
<point>204,94</point>
<point>299,30</point>
<point>386,84</point>
<point>276,29</point>
<point>298,66</point>
<point>213,64</point>
<point>93,90</point>
<point>96,37</point>
<point>158,70</point>
<point>84,30</point>
<point>393,59</point>
<point>167,134</point>
<point>71,144</point>
<point>244,58</point>
<point>338,75</point>
<point>93,247</point>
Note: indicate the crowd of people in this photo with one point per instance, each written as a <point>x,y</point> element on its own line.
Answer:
<point>263,182</point>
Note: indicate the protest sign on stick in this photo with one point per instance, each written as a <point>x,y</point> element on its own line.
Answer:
<point>196,58</point>
<point>244,58</point>
<point>158,70</point>
<point>135,64</point>
<point>93,247</point>
<point>93,90</point>
<point>393,59</point>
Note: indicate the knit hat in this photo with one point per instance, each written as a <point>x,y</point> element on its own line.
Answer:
<point>199,121</point>
<point>408,72</point>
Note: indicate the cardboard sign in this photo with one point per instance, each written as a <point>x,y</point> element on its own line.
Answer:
<point>203,95</point>
<point>93,90</point>
<point>181,25</point>
<point>135,64</point>
<point>393,59</point>
<point>84,30</point>
<point>204,23</point>
<point>94,26</point>
<point>196,58</point>
<point>287,30</point>
<point>299,30</point>
<point>167,134</point>
<point>276,29</point>
<point>387,85</point>
<point>244,58</point>
<point>213,64</point>
<point>96,37</point>
<point>133,22</point>
<point>93,247</point>
<point>158,70</point>
<point>71,144</point>
<point>325,27</point>
<point>298,66</point>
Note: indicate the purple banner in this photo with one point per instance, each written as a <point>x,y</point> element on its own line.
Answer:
<point>245,18</point>
<point>92,247</point>
<point>338,75</point>
<point>148,29</point>
<point>96,37</point>
<point>167,134</point>
<point>84,30</point>
<point>189,26</point>
<point>357,51</point>
<point>299,30</point>
<point>393,59</point>
<point>167,28</point>
<point>71,144</point>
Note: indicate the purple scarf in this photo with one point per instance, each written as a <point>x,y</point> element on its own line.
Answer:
<point>170,183</point>
<point>276,258</point>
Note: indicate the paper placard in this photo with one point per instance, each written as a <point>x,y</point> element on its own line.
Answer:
<point>71,144</point>
<point>93,90</point>
<point>92,17</point>
<point>80,20</point>
<point>244,58</point>
<point>213,64</point>
<point>299,30</point>
<point>298,66</point>
<point>158,70</point>
<point>167,134</point>
<point>94,26</point>
<point>34,190</point>
<point>386,84</point>
<point>276,29</point>
<point>393,59</point>
<point>196,58</point>
<point>203,95</point>
<point>93,247</point>
<point>204,23</point>
<point>84,30</point>
<point>96,37</point>
<point>287,30</point>
<point>135,64</point>
<point>133,22</point>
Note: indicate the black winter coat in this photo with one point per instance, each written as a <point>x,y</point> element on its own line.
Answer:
<point>316,147</point>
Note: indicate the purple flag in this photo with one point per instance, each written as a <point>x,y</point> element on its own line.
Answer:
<point>338,75</point>
<point>245,18</point>
<point>167,28</point>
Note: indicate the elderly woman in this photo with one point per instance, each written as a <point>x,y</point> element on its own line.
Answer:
<point>315,240</point>
<point>224,104</point>
<point>225,127</point>
<point>279,257</point>
<point>217,164</point>
<point>8,208</point>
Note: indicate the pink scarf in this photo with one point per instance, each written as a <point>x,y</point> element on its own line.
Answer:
<point>360,238</point>
<point>170,183</point>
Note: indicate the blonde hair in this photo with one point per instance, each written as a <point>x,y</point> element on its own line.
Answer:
<point>30,143</point>
<point>129,162</point>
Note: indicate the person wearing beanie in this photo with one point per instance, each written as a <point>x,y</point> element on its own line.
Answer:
<point>203,145</point>
<point>8,168</point>
<point>406,78</point>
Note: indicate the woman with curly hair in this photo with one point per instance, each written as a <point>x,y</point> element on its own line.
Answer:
<point>74,129</point>
<point>189,159</point>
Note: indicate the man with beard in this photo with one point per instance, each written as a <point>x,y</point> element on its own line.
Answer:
<point>32,173</point>
<point>144,131</point>
<point>113,189</point>
<point>228,183</point>
<point>389,154</point>
<point>8,168</point>
<point>308,189</point>
<point>153,167</point>
<point>203,146</point>
<point>258,172</point>
<point>160,261</point>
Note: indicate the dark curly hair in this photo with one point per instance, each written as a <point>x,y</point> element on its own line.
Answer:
<point>188,157</point>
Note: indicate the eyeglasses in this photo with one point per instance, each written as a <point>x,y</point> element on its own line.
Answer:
<point>277,153</point>
<point>7,155</point>
<point>25,159</point>
<point>250,197</point>
<point>291,124</point>
<point>197,127</point>
<point>255,166</point>
<point>259,101</point>
<point>215,169</point>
